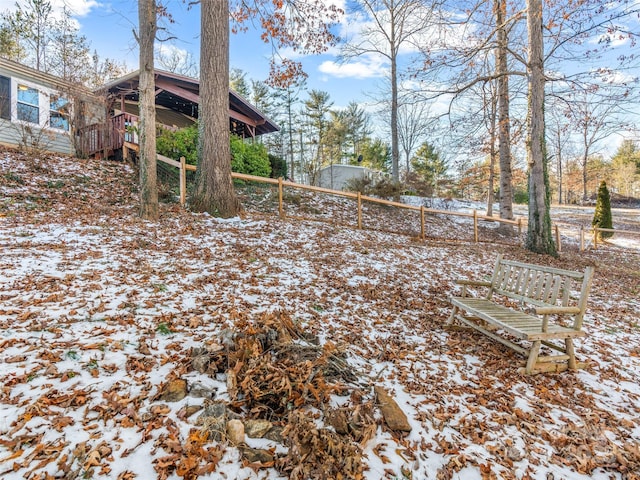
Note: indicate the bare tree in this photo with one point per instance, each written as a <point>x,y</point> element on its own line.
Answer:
<point>539,234</point>
<point>413,127</point>
<point>593,118</point>
<point>175,60</point>
<point>393,24</point>
<point>504,118</point>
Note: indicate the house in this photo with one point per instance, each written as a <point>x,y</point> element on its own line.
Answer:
<point>177,100</point>
<point>41,111</point>
<point>336,177</point>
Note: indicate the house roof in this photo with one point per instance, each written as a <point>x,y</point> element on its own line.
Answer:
<point>45,79</point>
<point>182,94</point>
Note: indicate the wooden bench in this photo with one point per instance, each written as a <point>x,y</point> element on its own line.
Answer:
<point>537,304</point>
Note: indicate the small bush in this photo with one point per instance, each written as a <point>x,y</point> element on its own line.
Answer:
<point>278,167</point>
<point>249,158</point>
<point>387,188</point>
<point>521,197</point>
<point>358,184</point>
<point>179,143</point>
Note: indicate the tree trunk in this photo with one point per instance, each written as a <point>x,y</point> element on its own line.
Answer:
<point>585,161</point>
<point>539,234</point>
<point>395,149</point>
<point>291,169</point>
<point>492,153</point>
<point>213,191</point>
<point>504,120</point>
<point>147,107</point>
<point>559,163</point>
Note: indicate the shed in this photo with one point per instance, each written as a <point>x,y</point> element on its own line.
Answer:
<point>336,177</point>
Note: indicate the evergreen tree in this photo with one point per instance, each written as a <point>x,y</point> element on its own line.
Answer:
<point>429,165</point>
<point>602,216</point>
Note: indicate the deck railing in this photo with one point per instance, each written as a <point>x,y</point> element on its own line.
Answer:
<point>107,137</point>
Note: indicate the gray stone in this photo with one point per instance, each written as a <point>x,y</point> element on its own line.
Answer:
<point>198,390</point>
<point>256,455</point>
<point>275,434</point>
<point>174,391</point>
<point>200,363</point>
<point>257,428</point>
<point>214,420</point>
<point>393,416</point>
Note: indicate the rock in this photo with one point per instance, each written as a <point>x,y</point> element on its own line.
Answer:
<point>257,428</point>
<point>200,391</point>
<point>214,420</point>
<point>174,391</point>
<point>191,409</point>
<point>256,455</point>
<point>339,421</point>
<point>232,384</point>
<point>235,432</point>
<point>275,434</point>
<point>200,363</point>
<point>394,417</point>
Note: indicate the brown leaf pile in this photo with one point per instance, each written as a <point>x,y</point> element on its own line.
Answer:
<point>277,372</point>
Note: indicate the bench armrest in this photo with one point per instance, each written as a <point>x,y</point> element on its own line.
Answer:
<point>473,283</point>
<point>557,310</point>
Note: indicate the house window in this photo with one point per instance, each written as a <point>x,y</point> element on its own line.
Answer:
<point>28,109</point>
<point>59,112</point>
<point>5,98</point>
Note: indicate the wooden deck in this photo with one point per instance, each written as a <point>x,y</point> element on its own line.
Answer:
<point>103,139</point>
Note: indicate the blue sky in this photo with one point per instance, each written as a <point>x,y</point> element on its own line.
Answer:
<point>109,25</point>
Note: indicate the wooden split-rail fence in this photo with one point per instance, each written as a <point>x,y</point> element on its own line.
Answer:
<point>184,167</point>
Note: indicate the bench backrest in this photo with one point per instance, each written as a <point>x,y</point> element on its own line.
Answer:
<point>542,286</point>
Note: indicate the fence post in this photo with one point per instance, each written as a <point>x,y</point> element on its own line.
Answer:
<point>582,239</point>
<point>280,198</point>
<point>558,241</point>
<point>475,226</point>
<point>519,225</point>
<point>422,222</point>
<point>359,211</point>
<point>183,181</point>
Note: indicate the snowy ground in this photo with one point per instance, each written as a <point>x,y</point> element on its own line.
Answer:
<point>98,309</point>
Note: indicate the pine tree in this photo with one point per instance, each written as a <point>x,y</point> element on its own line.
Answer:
<point>602,216</point>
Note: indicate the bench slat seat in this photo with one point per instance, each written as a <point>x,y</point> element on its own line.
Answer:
<point>519,324</point>
<point>545,295</point>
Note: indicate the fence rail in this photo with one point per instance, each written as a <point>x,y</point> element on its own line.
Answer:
<point>184,167</point>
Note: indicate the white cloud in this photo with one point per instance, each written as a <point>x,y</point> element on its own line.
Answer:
<point>365,67</point>
<point>615,77</point>
<point>79,8</point>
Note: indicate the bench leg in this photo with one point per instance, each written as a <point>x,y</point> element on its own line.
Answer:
<point>452,316</point>
<point>533,357</point>
<point>568,342</point>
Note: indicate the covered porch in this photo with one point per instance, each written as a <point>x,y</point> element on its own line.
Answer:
<point>177,104</point>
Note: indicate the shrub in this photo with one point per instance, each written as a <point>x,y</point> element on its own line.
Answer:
<point>248,158</point>
<point>602,216</point>
<point>278,166</point>
<point>387,188</point>
<point>179,143</point>
<point>358,184</point>
<point>521,196</point>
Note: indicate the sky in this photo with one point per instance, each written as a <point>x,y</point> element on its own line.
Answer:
<point>109,26</point>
